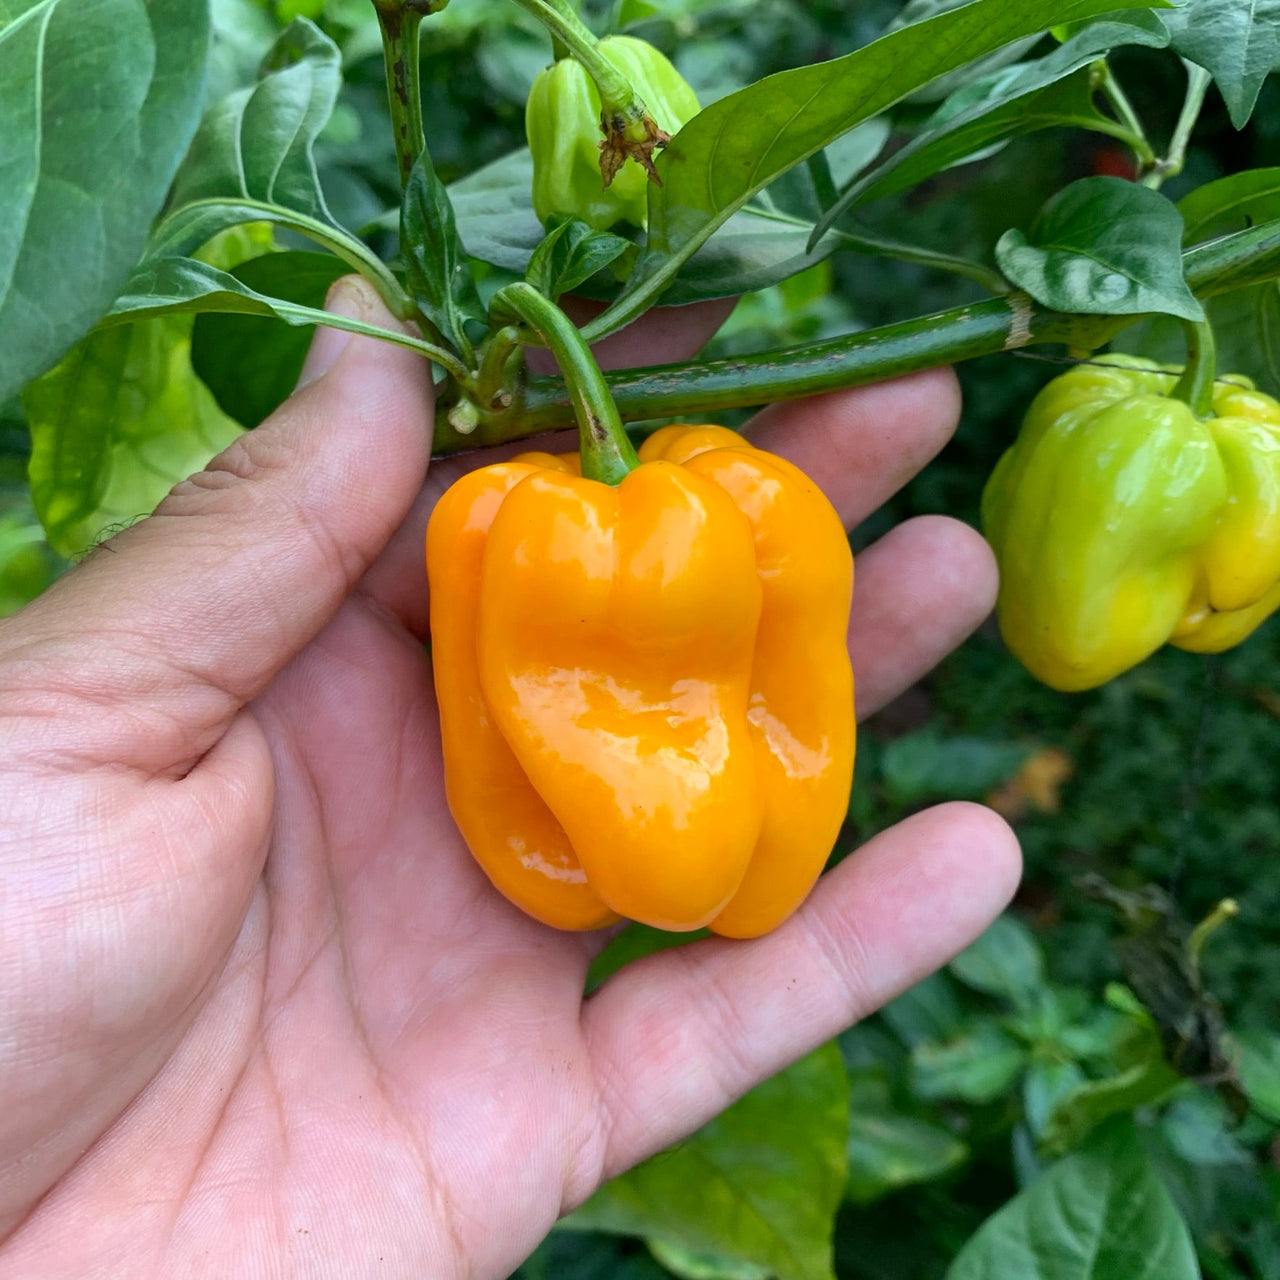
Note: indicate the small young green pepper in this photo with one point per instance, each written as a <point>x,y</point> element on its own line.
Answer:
<point>1122,522</point>
<point>562,123</point>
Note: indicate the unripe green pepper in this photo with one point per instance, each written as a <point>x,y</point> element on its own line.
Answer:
<point>1122,522</point>
<point>562,123</point>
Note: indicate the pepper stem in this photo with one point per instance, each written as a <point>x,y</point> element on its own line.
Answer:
<point>630,131</point>
<point>1195,387</point>
<point>400,22</point>
<point>607,455</point>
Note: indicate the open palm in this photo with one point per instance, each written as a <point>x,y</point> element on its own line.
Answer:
<point>260,1013</point>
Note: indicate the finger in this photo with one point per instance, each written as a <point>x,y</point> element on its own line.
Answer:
<point>918,593</point>
<point>678,1036</point>
<point>862,445</point>
<point>190,612</point>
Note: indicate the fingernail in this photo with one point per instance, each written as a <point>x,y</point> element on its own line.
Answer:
<point>346,298</point>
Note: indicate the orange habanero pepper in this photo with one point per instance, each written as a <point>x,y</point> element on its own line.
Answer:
<point>646,702</point>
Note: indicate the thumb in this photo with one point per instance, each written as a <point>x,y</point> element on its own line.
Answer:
<point>181,619</point>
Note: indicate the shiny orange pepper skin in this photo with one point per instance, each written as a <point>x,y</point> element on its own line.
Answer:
<point>645,695</point>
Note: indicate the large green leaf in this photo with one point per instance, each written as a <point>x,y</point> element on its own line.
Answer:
<point>760,1184</point>
<point>251,159</point>
<point>744,142</point>
<point>256,143</point>
<point>1014,101</point>
<point>1100,1214</point>
<point>98,100</point>
<point>114,426</point>
<point>1102,246</point>
<point>1236,41</point>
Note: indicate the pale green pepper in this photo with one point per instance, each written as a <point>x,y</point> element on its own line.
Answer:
<point>562,123</point>
<point>1122,522</point>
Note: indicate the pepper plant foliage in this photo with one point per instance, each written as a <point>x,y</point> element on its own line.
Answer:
<point>172,211</point>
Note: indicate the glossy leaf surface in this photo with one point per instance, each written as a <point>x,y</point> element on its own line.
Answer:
<point>98,102</point>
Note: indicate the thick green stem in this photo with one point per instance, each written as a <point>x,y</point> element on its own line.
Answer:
<point>1195,387</point>
<point>400,25</point>
<point>1198,81</point>
<point>607,454</point>
<point>985,328</point>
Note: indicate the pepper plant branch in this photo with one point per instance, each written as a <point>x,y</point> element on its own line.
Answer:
<point>400,26</point>
<point>1198,81</point>
<point>1135,135</point>
<point>564,25</point>
<point>1006,323</point>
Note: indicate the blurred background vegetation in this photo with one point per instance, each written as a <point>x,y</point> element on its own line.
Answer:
<point>1140,806</point>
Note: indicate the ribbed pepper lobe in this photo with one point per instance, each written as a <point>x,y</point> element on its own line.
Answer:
<point>616,634</point>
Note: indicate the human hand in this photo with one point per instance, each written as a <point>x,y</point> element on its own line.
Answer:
<point>260,1012</point>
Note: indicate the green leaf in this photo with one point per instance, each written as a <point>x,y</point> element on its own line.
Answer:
<point>251,161</point>
<point>98,103</point>
<point>251,363</point>
<point>1100,1214</point>
<point>1236,41</point>
<point>256,143</point>
<point>1258,1062</point>
<point>928,1011</point>
<point>925,765</point>
<point>1102,246</point>
<point>570,255</point>
<point>742,143</point>
<point>1043,1087</point>
<point>494,212</point>
<point>977,1066</point>
<point>1230,204</point>
<point>439,274</point>
<point>1089,1104</point>
<point>759,246</point>
<point>634,943</point>
<point>760,1184</point>
<point>1198,1127</point>
<point>889,1150</point>
<point>118,422</point>
<point>173,286</point>
<point>1005,961</point>
<point>704,1266</point>
<point>1053,91</point>
<point>1246,322</point>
